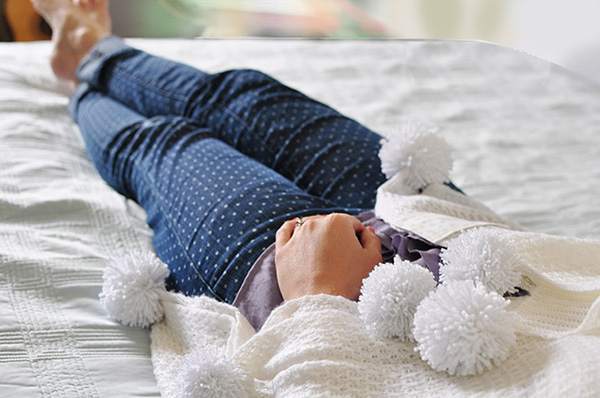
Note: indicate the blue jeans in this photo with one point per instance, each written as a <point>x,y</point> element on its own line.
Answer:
<point>218,161</point>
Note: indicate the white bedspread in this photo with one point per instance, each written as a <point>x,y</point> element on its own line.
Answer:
<point>526,136</point>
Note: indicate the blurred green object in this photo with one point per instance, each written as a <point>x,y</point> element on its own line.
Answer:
<point>244,18</point>
<point>152,19</point>
<point>421,19</point>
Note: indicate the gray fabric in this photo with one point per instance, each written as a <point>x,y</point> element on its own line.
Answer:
<point>259,293</point>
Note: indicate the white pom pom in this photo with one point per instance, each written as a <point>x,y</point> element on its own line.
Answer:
<point>207,372</point>
<point>132,287</point>
<point>390,296</point>
<point>462,329</point>
<point>420,153</point>
<point>481,255</point>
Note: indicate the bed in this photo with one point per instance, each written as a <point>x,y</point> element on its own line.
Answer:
<point>525,134</point>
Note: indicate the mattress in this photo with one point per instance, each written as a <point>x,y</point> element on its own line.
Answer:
<point>525,135</point>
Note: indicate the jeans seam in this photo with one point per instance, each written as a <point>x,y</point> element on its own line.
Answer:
<point>168,218</point>
<point>159,200</point>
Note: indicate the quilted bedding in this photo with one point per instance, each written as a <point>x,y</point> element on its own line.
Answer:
<point>526,143</point>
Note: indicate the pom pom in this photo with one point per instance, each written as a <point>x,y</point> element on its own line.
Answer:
<point>481,255</point>
<point>390,296</point>
<point>132,287</point>
<point>207,372</point>
<point>420,153</point>
<point>462,329</point>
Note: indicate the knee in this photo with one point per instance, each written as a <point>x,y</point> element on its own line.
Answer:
<point>164,132</point>
<point>249,76</point>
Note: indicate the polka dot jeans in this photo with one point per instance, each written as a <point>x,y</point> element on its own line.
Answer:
<point>218,161</point>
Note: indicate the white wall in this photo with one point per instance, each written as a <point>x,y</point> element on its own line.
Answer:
<point>566,32</point>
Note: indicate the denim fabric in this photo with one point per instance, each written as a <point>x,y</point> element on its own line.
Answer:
<point>218,161</point>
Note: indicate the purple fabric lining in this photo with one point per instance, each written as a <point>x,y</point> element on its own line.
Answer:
<point>419,251</point>
<point>259,294</point>
<point>405,244</point>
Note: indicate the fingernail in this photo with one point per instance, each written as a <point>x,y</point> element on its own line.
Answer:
<point>372,229</point>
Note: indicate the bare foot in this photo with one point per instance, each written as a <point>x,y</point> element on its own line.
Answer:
<point>77,25</point>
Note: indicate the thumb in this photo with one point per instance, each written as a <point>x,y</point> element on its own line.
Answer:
<point>370,241</point>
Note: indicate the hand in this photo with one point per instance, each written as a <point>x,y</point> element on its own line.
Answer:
<point>327,254</point>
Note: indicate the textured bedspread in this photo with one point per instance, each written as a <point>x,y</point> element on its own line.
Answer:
<point>526,136</point>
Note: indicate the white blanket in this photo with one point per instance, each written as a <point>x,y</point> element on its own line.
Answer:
<point>525,135</point>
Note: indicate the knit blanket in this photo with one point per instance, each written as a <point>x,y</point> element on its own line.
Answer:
<point>317,346</point>
<point>320,346</point>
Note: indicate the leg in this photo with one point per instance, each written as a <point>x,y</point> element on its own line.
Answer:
<point>213,210</point>
<point>320,150</point>
<point>323,152</point>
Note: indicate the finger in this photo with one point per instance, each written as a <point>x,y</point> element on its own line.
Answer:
<point>284,233</point>
<point>358,226</point>
<point>370,240</point>
<point>308,220</point>
<point>348,220</point>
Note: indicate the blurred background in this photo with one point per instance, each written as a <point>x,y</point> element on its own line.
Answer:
<point>565,32</point>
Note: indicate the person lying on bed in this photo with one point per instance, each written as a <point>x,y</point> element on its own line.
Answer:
<point>262,197</point>
<point>239,174</point>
